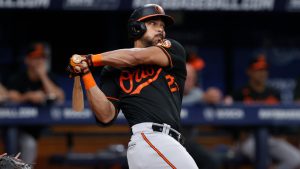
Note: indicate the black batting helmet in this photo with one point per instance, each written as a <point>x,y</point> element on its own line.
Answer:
<point>136,25</point>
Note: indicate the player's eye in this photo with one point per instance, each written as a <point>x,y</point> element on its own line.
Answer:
<point>152,23</point>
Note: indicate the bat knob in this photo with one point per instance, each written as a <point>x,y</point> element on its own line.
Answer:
<point>76,59</point>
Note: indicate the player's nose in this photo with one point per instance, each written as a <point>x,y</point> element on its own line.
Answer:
<point>160,29</point>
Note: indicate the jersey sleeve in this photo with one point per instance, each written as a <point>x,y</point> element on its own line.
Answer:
<point>111,90</point>
<point>176,55</point>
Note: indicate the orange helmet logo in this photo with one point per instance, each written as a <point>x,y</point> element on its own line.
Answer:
<point>159,9</point>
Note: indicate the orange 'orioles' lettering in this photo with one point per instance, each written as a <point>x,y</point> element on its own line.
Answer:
<point>126,76</point>
<point>137,76</point>
<point>144,74</point>
<point>171,83</point>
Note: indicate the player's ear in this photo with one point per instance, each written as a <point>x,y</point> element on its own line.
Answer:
<point>136,29</point>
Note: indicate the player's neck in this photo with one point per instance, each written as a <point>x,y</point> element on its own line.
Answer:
<point>138,44</point>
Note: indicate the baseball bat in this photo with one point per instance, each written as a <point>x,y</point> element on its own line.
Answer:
<point>77,96</point>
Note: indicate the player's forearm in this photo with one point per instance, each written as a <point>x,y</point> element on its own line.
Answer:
<point>131,57</point>
<point>99,104</point>
<point>119,58</point>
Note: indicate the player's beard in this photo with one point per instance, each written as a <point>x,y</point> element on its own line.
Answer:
<point>152,41</point>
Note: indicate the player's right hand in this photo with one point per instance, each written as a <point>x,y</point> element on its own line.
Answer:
<point>78,66</point>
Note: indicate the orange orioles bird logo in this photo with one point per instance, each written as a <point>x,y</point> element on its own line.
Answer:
<point>165,43</point>
<point>159,10</point>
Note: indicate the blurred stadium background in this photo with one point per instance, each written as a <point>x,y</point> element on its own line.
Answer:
<point>224,33</point>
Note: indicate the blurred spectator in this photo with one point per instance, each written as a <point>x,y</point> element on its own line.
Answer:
<point>193,93</point>
<point>34,86</point>
<point>3,98</point>
<point>257,92</point>
<point>3,94</point>
<point>297,91</point>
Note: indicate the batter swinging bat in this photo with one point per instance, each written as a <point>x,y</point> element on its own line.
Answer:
<point>77,96</point>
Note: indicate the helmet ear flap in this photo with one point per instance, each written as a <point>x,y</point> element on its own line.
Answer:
<point>136,29</point>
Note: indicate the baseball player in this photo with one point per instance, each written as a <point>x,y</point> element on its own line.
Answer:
<point>146,82</point>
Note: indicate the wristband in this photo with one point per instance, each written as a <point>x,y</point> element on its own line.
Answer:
<point>97,60</point>
<point>88,81</point>
<point>89,60</point>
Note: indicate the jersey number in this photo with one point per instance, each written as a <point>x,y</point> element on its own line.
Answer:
<point>171,83</point>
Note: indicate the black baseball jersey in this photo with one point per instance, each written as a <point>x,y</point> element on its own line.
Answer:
<point>149,93</point>
<point>248,95</point>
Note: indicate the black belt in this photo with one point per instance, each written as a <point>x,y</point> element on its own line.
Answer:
<point>172,132</point>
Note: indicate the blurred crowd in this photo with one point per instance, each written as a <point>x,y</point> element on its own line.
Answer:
<point>34,85</point>
<point>255,91</point>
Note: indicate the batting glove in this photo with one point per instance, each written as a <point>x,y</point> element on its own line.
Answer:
<point>78,66</point>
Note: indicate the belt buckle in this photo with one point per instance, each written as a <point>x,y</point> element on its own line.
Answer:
<point>171,132</point>
<point>166,128</point>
